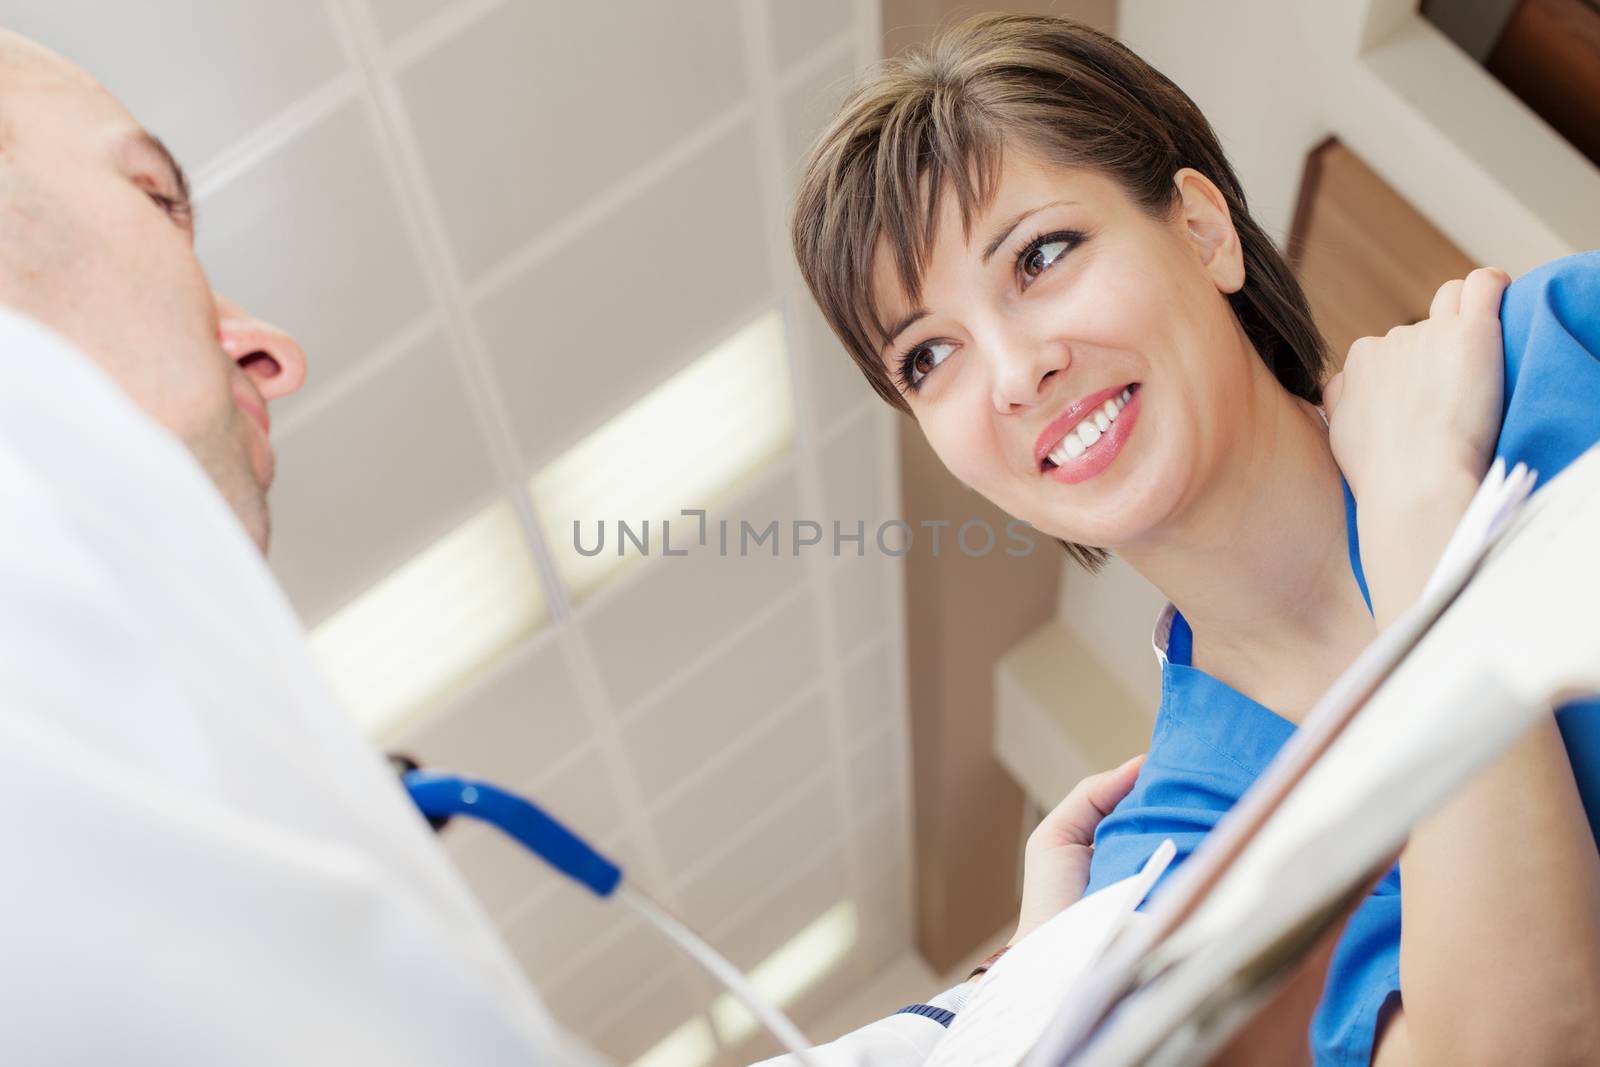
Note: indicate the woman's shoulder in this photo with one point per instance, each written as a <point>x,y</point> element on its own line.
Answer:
<point>1566,290</point>
<point>1550,320</point>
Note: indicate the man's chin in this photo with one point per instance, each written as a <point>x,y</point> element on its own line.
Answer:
<point>250,507</point>
<point>242,472</point>
<point>235,477</point>
<point>260,531</point>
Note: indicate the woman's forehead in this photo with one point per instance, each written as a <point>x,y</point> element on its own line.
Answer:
<point>1025,185</point>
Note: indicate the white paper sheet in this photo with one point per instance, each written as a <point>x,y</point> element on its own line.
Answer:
<point>1021,993</point>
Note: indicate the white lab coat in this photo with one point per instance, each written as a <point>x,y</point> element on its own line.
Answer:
<point>205,862</point>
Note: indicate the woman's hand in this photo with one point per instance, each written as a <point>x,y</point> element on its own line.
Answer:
<point>1422,402</point>
<point>1056,861</point>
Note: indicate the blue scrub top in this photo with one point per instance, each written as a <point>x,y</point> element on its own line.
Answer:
<point>1211,741</point>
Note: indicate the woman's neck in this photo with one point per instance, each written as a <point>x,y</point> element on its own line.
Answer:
<point>1259,565</point>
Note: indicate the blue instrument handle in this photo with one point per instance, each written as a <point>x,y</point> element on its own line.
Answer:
<point>439,796</point>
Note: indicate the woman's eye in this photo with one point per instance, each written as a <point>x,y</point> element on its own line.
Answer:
<point>1039,258</point>
<point>922,359</point>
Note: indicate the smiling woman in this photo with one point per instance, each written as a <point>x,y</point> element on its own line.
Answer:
<point>1031,242</point>
<point>922,149</point>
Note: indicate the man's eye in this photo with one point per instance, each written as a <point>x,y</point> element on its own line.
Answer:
<point>921,360</point>
<point>176,207</point>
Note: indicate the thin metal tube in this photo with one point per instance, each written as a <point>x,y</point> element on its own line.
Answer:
<point>715,964</point>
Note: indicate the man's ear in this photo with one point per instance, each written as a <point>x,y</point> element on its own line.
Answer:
<point>1208,223</point>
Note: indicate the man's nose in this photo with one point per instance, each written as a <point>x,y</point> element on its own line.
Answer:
<point>1021,368</point>
<point>272,358</point>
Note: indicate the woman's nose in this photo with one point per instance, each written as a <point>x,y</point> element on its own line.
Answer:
<point>1021,370</point>
<point>272,358</point>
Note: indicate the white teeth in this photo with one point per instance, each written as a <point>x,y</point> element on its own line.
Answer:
<point>1087,432</point>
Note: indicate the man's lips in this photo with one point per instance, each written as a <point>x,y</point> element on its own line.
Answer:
<point>1075,413</point>
<point>262,458</point>
<point>256,411</point>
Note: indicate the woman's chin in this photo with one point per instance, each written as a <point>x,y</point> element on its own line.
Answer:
<point>1132,515</point>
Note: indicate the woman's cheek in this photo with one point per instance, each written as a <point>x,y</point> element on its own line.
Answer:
<point>969,452</point>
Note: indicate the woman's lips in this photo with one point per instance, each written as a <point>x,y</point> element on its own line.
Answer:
<point>1100,455</point>
<point>1076,412</point>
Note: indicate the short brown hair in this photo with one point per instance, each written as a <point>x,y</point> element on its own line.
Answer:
<point>941,116</point>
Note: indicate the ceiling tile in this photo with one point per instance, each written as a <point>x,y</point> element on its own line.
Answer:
<point>200,76</point>
<point>798,29</point>
<point>811,964</point>
<point>861,598</point>
<point>837,388</point>
<point>852,465</point>
<point>529,154</point>
<point>887,911</point>
<point>670,611</point>
<point>609,315</point>
<point>869,693</point>
<point>671,737</point>
<point>368,481</point>
<point>711,428</point>
<point>747,782</point>
<point>813,887</point>
<point>510,727</point>
<point>673,1001</point>
<point>580,795</point>
<point>800,831</point>
<point>518,888</point>
<point>587,996</point>
<point>877,771</point>
<point>502,874</point>
<point>560,926</point>
<point>395,18</point>
<point>312,239</point>
<point>885,839</point>
<point>807,106</point>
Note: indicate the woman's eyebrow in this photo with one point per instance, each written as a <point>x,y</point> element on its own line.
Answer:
<point>903,325</point>
<point>1005,230</point>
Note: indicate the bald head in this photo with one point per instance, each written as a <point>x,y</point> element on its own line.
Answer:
<point>96,242</point>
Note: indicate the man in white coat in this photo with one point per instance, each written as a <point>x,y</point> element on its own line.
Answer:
<point>207,864</point>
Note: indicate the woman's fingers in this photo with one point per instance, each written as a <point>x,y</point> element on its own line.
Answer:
<point>1106,789</point>
<point>1073,821</point>
<point>1056,862</point>
<point>1447,301</point>
<point>1482,290</point>
<point>1477,294</point>
<point>1331,392</point>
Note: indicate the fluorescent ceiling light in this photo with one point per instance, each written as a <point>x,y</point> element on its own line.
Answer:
<point>797,966</point>
<point>432,624</point>
<point>690,1045</point>
<point>693,441</point>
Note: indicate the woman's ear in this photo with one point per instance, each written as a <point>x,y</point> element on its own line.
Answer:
<point>1208,223</point>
